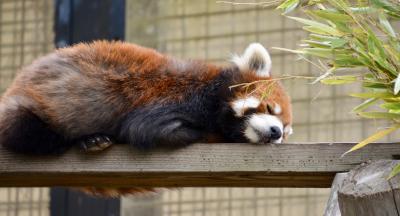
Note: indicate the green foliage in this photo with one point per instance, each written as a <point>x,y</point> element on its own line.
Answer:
<point>395,171</point>
<point>378,135</point>
<point>347,34</point>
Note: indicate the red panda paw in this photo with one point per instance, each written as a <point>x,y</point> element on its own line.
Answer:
<point>116,192</point>
<point>95,143</point>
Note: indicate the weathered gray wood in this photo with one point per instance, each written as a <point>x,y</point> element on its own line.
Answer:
<point>241,165</point>
<point>332,206</point>
<point>366,190</point>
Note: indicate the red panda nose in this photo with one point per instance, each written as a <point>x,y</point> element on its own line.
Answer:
<point>276,133</point>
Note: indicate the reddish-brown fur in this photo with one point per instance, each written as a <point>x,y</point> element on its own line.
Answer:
<point>83,89</point>
<point>127,75</point>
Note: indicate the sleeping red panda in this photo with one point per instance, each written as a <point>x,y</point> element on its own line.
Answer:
<point>93,95</point>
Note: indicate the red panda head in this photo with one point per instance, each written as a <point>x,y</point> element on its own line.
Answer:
<point>263,106</point>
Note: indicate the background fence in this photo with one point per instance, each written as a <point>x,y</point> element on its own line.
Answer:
<point>25,33</point>
<point>213,31</point>
<point>201,30</point>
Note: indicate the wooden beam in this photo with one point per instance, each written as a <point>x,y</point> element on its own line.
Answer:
<point>237,165</point>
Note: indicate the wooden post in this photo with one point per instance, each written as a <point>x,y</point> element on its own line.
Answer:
<point>366,190</point>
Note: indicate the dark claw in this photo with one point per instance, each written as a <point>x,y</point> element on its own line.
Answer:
<point>95,143</point>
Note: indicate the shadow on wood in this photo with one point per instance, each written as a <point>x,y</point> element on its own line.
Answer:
<point>198,165</point>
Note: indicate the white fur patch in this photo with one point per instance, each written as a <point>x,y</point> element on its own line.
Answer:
<point>288,130</point>
<point>278,140</point>
<point>251,135</point>
<point>277,109</point>
<point>240,105</point>
<point>263,124</point>
<point>255,52</point>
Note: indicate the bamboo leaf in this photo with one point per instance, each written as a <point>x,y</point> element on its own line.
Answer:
<point>391,106</point>
<point>372,138</point>
<point>317,25</point>
<point>392,50</point>
<point>377,51</point>
<point>366,95</point>
<point>372,46</point>
<point>397,85</point>
<point>394,111</point>
<point>379,115</point>
<point>317,44</point>
<point>365,105</point>
<point>362,10</point>
<point>316,30</point>
<point>339,80</point>
<point>386,5</point>
<point>333,16</point>
<point>393,14</point>
<point>375,85</point>
<point>386,25</point>
<point>339,42</point>
<point>320,52</point>
<point>319,37</point>
<point>394,172</point>
<point>347,61</point>
<point>343,27</point>
<point>288,5</point>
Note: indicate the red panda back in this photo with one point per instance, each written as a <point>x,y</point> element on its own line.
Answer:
<point>89,94</point>
<point>81,89</point>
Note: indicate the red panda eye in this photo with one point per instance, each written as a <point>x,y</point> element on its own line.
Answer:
<point>270,109</point>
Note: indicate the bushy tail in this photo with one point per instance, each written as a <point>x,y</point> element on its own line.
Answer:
<point>24,132</point>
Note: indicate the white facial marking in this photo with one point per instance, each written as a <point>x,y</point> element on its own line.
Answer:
<point>262,123</point>
<point>278,140</point>
<point>255,52</point>
<point>288,130</point>
<point>277,109</point>
<point>251,135</point>
<point>240,105</point>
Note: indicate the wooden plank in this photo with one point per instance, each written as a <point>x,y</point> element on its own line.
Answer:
<point>238,165</point>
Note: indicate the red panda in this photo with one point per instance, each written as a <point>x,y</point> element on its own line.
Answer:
<point>95,94</point>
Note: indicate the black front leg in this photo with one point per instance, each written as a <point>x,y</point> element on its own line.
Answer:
<point>176,133</point>
<point>164,126</point>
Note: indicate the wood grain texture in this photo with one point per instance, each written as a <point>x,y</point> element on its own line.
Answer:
<point>238,165</point>
<point>366,190</point>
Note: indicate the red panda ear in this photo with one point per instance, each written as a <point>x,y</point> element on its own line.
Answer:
<point>255,58</point>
